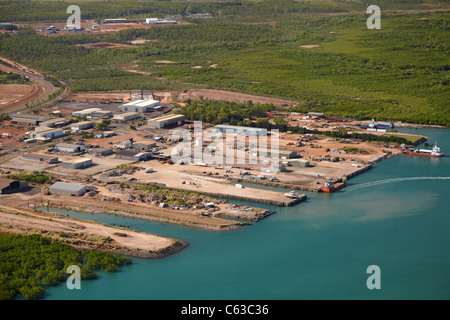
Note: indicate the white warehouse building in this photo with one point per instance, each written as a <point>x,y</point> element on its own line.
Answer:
<point>166,120</point>
<point>140,106</point>
<point>127,116</point>
<point>77,126</point>
<point>77,163</point>
<point>68,188</point>
<point>68,147</point>
<point>85,112</point>
<point>241,130</point>
<point>47,134</point>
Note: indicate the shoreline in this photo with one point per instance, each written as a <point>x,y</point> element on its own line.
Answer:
<point>102,210</point>
<point>86,234</point>
<point>422,126</point>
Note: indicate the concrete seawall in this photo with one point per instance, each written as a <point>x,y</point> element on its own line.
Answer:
<point>363,169</point>
<point>273,202</point>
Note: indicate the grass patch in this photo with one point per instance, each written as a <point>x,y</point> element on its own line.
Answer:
<point>39,177</point>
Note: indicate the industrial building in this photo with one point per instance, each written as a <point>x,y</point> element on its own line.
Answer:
<point>47,158</point>
<point>140,106</point>
<point>298,162</point>
<point>102,114</point>
<point>276,166</point>
<point>11,185</point>
<point>143,145</point>
<point>104,134</point>
<point>26,122</point>
<point>151,20</point>
<point>119,20</point>
<point>42,129</point>
<point>54,123</point>
<point>166,120</point>
<point>28,119</point>
<point>77,163</point>
<point>283,154</point>
<point>83,125</point>
<point>143,156</point>
<point>99,152</point>
<point>85,112</point>
<point>159,21</point>
<point>133,155</point>
<point>68,188</point>
<point>200,16</point>
<point>316,114</point>
<point>241,130</point>
<point>68,147</point>
<point>47,134</point>
<point>127,116</point>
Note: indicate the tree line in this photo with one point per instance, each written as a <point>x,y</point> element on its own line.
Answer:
<point>31,263</point>
<point>255,115</point>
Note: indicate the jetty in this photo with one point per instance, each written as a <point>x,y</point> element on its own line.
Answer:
<point>280,200</point>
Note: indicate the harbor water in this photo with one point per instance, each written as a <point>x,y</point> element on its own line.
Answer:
<point>394,216</point>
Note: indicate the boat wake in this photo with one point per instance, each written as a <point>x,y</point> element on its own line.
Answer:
<point>376,183</point>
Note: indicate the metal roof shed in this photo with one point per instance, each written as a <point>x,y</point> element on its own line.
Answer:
<point>68,188</point>
<point>166,120</point>
<point>9,185</point>
<point>126,116</point>
<point>40,157</point>
<point>82,163</point>
<point>68,147</point>
<point>82,125</point>
<point>140,106</point>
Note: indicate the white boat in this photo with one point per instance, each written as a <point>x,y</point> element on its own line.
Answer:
<point>291,194</point>
<point>435,152</point>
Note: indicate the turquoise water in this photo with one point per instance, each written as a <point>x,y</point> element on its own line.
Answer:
<point>394,216</point>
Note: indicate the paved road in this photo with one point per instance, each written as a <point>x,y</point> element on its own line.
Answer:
<point>34,76</point>
<point>38,79</point>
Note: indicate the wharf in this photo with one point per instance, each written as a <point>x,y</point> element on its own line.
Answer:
<point>363,169</point>
<point>297,200</point>
<point>287,202</point>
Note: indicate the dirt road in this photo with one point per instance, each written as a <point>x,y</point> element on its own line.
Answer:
<point>181,96</point>
<point>44,87</point>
